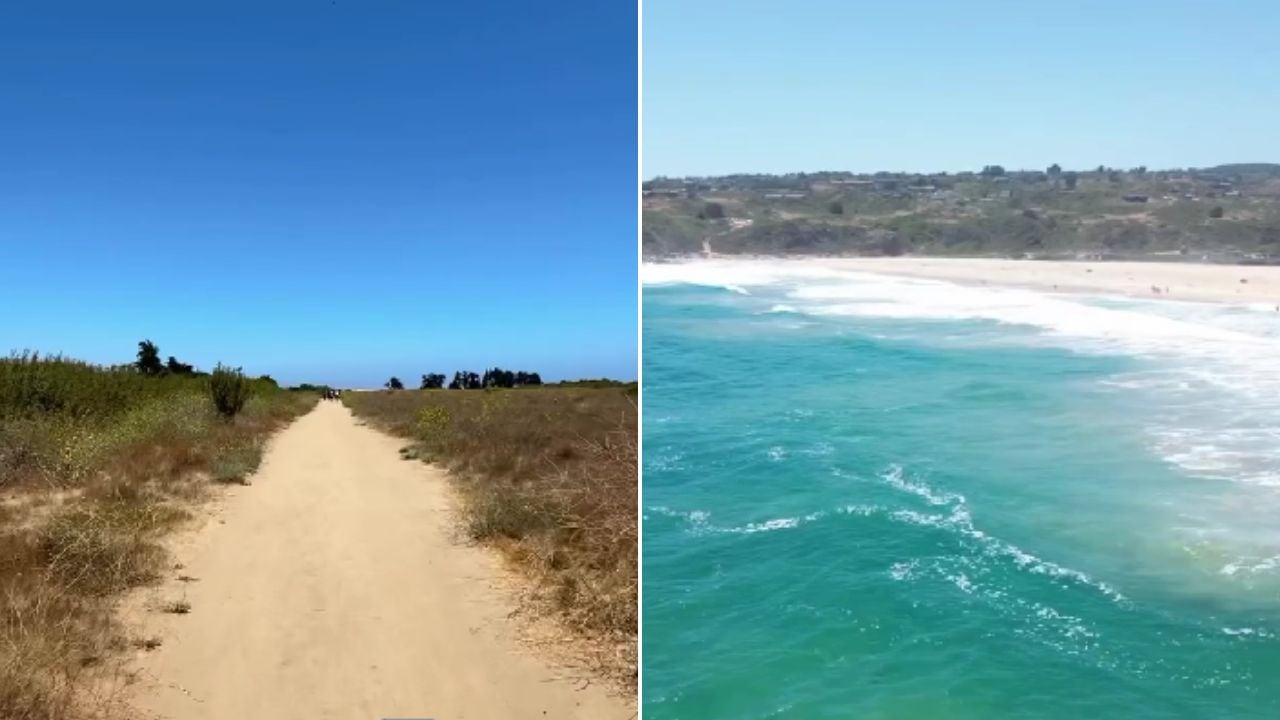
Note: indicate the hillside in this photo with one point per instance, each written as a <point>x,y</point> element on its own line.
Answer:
<point>1228,213</point>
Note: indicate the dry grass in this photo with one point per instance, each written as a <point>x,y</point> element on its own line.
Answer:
<point>92,483</point>
<point>549,476</point>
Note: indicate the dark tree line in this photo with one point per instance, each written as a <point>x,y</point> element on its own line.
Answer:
<point>463,380</point>
<point>466,380</point>
<point>148,362</point>
<point>493,377</point>
<point>177,368</point>
<point>497,377</point>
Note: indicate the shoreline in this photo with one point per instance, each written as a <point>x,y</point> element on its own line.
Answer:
<point>1186,281</point>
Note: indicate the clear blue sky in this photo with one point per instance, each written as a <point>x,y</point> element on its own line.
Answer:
<point>323,191</point>
<point>931,85</point>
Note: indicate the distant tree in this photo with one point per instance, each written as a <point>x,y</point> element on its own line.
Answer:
<point>528,378</point>
<point>149,359</point>
<point>173,367</point>
<point>464,380</point>
<point>836,208</point>
<point>992,171</point>
<point>712,211</point>
<point>1140,170</point>
<point>1114,176</point>
<point>497,377</point>
<point>1216,212</point>
<point>1101,169</point>
<point>1054,171</point>
<point>394,384</point>
<point>432,381</point>
<point>1070,179</point>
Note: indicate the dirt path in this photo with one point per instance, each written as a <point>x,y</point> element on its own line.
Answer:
<point>332,587</point>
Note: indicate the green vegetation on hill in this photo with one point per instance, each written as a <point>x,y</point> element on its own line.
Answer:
<point>1229,213</point>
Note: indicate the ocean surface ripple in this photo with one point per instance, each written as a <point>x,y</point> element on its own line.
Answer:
<point>868,496</point>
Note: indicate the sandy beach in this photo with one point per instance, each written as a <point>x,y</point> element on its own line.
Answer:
<point>1176,281</point>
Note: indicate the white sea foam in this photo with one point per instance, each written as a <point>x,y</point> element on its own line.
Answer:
<point>1262,565</point>
<point>660,461</point>
<point>960,521</point>
<point>973,580</point>
<point>1137,326</point>
<point>1210,373</point>
<point>1246,632</point>
<point>901,571</point>
<point>768,525</point>
<point>894,479</point>
<point>695,518</point>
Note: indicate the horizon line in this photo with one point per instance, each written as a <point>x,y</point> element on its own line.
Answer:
<point>1186,168</point>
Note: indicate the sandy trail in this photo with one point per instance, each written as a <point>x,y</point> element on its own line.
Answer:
<point>332,587</point>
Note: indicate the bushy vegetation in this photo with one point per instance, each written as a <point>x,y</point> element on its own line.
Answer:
<point>548,475</point>
<point>229,390</point>
<point>96,463</point>
<point>1230,213</point>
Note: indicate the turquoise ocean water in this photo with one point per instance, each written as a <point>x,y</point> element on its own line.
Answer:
<point>869,497</point>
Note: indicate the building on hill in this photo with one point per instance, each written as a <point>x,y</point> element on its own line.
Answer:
<point>855,183</point>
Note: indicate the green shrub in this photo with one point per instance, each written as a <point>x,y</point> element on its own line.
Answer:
<point>229,390</point>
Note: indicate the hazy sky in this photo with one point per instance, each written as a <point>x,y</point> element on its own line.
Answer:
<point>324,191</point>
<point>770,86</point>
